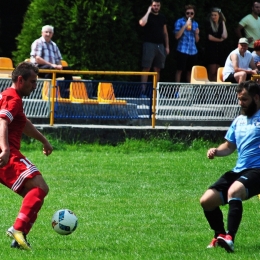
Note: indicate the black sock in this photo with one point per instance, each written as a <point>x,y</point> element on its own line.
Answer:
<point>234,216</point>
<point>215,219</point>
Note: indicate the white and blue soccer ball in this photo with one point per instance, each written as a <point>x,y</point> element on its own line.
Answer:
<point>64,222</point>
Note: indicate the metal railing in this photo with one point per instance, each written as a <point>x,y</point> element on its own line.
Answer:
<point>166,101</point>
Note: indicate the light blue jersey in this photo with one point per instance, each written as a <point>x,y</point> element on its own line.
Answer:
<point>245,133</point>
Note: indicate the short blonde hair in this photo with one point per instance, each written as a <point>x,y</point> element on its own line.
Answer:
<point>47,27</point>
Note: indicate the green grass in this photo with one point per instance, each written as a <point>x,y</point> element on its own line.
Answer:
<point>137,200</point>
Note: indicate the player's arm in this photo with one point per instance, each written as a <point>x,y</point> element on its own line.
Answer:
<point>4,144</point>
<point>238,31</point>
<point>180,30</point>
<point>253,66</point>
<point>30,130</point>
<point>144,19</point>
<point>166,39</point>
<point>223,150</point>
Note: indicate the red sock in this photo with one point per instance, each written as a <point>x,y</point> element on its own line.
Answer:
<point>31,205</point>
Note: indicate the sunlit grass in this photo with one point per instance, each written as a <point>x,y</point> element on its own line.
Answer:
<point>137,200</point>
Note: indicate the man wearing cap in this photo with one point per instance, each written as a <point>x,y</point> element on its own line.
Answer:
<point>239,64</point>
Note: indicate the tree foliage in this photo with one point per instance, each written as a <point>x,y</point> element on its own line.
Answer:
<point>105,34</point>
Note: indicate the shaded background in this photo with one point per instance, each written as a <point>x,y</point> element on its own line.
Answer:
<point>103,34</point>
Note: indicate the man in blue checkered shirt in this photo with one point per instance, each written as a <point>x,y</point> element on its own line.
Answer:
<point>186,31</point>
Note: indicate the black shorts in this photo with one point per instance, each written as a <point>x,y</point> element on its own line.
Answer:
<point>232,79</point>
<point>186,61</point>
<point>249,177</point>
<point>154,55</point>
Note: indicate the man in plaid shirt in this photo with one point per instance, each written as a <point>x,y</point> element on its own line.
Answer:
<point>186,31</point>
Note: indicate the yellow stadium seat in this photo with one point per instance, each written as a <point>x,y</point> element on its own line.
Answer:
<point>78,93</point>
<point>199,75</point>
<point>6,63</point>
<point>64,63</point>
<point>46,96</point>
<point>106,94</point>
<point>220,76</point>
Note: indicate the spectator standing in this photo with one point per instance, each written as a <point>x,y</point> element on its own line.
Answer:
<point>251,25</point>
<point>216,33</point>
<point>243,181</point>
<point>239,64</point>
<point>16,171</point>
<point>186,31</point>
<point>156,40</point>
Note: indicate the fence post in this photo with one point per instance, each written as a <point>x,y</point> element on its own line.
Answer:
<point>53,87</point>
<point>154,99</point>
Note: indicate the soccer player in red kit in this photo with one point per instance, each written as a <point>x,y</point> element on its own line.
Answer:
<point>16,171</point>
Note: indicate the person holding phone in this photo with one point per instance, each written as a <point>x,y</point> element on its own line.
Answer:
<point>156,41</point>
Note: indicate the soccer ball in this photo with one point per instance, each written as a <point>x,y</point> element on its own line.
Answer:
<point>64,221</point>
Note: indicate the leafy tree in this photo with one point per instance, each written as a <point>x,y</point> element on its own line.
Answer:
<point>105,34</point>
<point>92,35</point>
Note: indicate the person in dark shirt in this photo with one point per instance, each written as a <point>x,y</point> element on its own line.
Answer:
<point>216,33</point>
<point>156,41</point>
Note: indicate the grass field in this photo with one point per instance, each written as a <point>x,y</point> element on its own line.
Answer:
<point>137,200</point>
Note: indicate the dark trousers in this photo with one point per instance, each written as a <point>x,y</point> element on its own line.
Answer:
<point>49,75</point>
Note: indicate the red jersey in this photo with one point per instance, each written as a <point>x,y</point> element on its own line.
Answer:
<point>18,168</point>
<point>11,109</point>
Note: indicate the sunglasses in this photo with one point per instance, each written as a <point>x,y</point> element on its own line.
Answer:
<point>191,13</point>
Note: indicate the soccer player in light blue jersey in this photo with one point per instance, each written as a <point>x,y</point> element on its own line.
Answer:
<point>243,181</point>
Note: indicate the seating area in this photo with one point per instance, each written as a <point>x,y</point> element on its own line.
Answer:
<point>106,94</point>
<point>6,67</point>
<point>78,93</point>
<point>47,93</point>
<point>199,75</point>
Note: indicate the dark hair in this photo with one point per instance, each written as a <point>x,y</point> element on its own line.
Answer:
<point>186,7</point>
<point>157,1</point>
<point>253,3</point>
<point>24,69</point>
<point>250,86</point>
<point>257,45</point>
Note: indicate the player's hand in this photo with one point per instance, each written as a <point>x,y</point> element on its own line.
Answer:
<point>211,153</point>
<point>4,158</point>
<point>250,39</point>
<point>47,148</point>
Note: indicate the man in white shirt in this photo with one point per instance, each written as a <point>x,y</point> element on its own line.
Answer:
<point>239,64</point>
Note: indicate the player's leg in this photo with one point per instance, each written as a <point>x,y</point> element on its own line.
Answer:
<point>159,60</point>
<point>181,65</point>
<point>34,192</point>
<point>149,53</point>
<point>210,201</point>
<point>247,186</point>
<point>24,178</point>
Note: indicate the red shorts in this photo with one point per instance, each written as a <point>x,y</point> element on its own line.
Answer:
<point>18,169</point>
